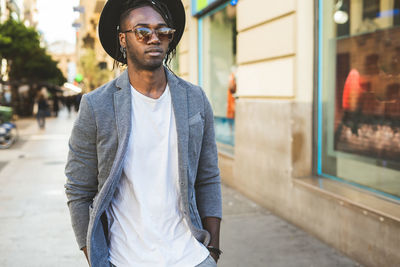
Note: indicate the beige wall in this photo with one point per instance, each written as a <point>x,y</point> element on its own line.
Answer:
<point>187,47</point>
<point>273,124</point>
<point>275,58</point>
<point>266,48</point>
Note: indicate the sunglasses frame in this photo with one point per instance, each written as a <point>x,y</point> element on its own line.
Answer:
<point>156,31</point>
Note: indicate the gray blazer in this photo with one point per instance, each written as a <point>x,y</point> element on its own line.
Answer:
<point>97,150</point>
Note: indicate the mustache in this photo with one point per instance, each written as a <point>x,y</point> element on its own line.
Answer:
<point>154,49</point>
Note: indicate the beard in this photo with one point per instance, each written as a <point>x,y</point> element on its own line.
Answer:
<point>141,63</point>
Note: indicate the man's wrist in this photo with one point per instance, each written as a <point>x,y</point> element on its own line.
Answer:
<point>215,252</point>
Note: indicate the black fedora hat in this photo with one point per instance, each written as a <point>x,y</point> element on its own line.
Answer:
<point>109,24</point>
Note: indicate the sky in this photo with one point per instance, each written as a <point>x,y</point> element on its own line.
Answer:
<point>55,20</point>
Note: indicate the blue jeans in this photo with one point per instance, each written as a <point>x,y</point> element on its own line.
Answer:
<point>208,262</point>
<point>41,118</point>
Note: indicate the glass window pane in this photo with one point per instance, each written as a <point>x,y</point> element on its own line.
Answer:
<point>218,71</point>
<point>360,78</point>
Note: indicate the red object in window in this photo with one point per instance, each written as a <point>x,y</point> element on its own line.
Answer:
<point>230,113</point>
<point>352,91</point>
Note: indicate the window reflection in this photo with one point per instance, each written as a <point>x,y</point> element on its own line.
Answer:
<point>362,121</point>
<point>219,71</point>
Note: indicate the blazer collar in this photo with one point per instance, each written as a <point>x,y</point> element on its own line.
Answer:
<point>178,92</point>
<point>123,83</point>
<point>123,110</point>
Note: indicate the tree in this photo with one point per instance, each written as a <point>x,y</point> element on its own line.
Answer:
<point>93,75</point>
<point>27,62</point>
<point>38,69</point>
<point>21,40</point>
<point>20,46</point>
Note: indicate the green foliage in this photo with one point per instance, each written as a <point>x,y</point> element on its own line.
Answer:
<point>20,46</point>
<point>4,40</point>
<point>93,76</point>
<point>22,39</point>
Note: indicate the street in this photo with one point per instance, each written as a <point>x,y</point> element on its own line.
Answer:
<point>35,227</point>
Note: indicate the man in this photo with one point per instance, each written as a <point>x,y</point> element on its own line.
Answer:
<point>143,184</point>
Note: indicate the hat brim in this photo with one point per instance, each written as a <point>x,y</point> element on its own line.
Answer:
<point>109,21</point>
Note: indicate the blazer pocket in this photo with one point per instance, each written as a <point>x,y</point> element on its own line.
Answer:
<point>195,119</point>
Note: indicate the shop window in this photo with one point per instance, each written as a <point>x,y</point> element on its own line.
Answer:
<point>88,41</point>
<point>370,9</point>
<point>343,28</point>
<point>359,95</point>
<point>103,65</point>
<point>217,68</point>
<point>396,13</point>
<point>371,64</point>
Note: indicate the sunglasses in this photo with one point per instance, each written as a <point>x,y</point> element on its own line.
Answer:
<point>144,34</point>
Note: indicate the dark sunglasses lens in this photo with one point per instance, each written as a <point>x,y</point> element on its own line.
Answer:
<point>165,34</point>
<point>143,34</point>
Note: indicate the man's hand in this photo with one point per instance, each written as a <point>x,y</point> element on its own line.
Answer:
<point>84,249</point>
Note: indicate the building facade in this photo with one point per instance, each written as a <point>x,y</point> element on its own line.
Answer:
<point>64,53</point>
<point>30,15</point>
<point>87,32</point>
<point>3,11</point>
<point>24,10</point>
<point>306,96</point>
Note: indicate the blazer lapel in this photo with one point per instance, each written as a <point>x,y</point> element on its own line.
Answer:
<point>123,108</point>
<point>180,107</point>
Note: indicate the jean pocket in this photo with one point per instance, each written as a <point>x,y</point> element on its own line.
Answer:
<point>212,261</point>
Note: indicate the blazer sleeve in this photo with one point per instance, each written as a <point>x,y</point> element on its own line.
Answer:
<point>81,170</point>
<point>208,181</point>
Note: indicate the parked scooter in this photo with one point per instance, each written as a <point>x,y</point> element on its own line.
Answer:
<point>8,130</point>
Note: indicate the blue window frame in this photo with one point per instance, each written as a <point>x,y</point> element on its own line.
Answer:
<point>217,59</point>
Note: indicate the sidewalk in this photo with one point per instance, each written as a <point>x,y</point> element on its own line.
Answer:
<point>35,227</point>
<point>252,236</point>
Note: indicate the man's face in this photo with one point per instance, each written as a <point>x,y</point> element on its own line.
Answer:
<point>145,54</point>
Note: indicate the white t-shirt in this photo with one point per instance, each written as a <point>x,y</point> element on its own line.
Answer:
<point>146,227</point>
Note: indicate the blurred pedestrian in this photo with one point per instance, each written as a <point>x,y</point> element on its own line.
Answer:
<point>77,101</point>
<point>68,104</point>
<point>143,182</point>
<point>56,106</point>
<point>43,110</point>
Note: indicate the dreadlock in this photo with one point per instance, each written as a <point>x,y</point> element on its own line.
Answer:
<point>161,8</point>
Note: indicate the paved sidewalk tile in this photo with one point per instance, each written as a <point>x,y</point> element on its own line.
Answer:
<point>252,236</point>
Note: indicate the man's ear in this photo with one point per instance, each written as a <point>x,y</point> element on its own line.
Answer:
<point>122,39</point>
